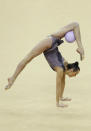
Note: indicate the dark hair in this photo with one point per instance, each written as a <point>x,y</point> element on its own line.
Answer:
<point>73,66</point>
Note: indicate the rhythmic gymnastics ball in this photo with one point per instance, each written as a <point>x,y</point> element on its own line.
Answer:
<point>70,37</point>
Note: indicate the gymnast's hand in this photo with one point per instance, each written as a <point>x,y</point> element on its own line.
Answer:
<point>81,52</point>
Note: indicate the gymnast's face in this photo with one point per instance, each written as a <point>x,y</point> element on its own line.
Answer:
<point>72,73</point>
<point>72,69</point>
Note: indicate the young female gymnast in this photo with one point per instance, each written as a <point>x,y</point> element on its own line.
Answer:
<point>49,47</point>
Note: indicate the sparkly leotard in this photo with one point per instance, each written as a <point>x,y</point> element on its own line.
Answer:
<point>52,55</point>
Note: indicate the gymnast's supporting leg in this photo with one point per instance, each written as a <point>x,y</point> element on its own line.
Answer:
<point>62,90</point>
<point>59,77</point>
<point>62,86</point>
<point>37,50</point>
<point>75,27</point>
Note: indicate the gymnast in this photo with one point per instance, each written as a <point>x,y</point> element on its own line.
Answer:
<point>49,47</point>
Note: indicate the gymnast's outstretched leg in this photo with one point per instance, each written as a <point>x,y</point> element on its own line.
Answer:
<point>37,50</point>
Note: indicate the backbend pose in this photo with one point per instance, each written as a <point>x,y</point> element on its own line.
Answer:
<point>49,47</point>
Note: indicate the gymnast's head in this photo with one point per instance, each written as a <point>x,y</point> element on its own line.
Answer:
<point>72,69</point>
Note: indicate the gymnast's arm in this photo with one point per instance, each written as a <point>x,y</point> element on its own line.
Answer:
<point>62,31</point>
<point>76,29</point>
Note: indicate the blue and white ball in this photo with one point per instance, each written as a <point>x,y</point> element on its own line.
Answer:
<point>70,37</point>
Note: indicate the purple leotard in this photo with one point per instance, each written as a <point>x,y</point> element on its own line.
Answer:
<point>53,56</point>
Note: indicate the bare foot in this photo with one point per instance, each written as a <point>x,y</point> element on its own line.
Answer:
<point>81,52</point>
<point>10,82</point>
<point>65,99</point>
<point>61,105</point>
